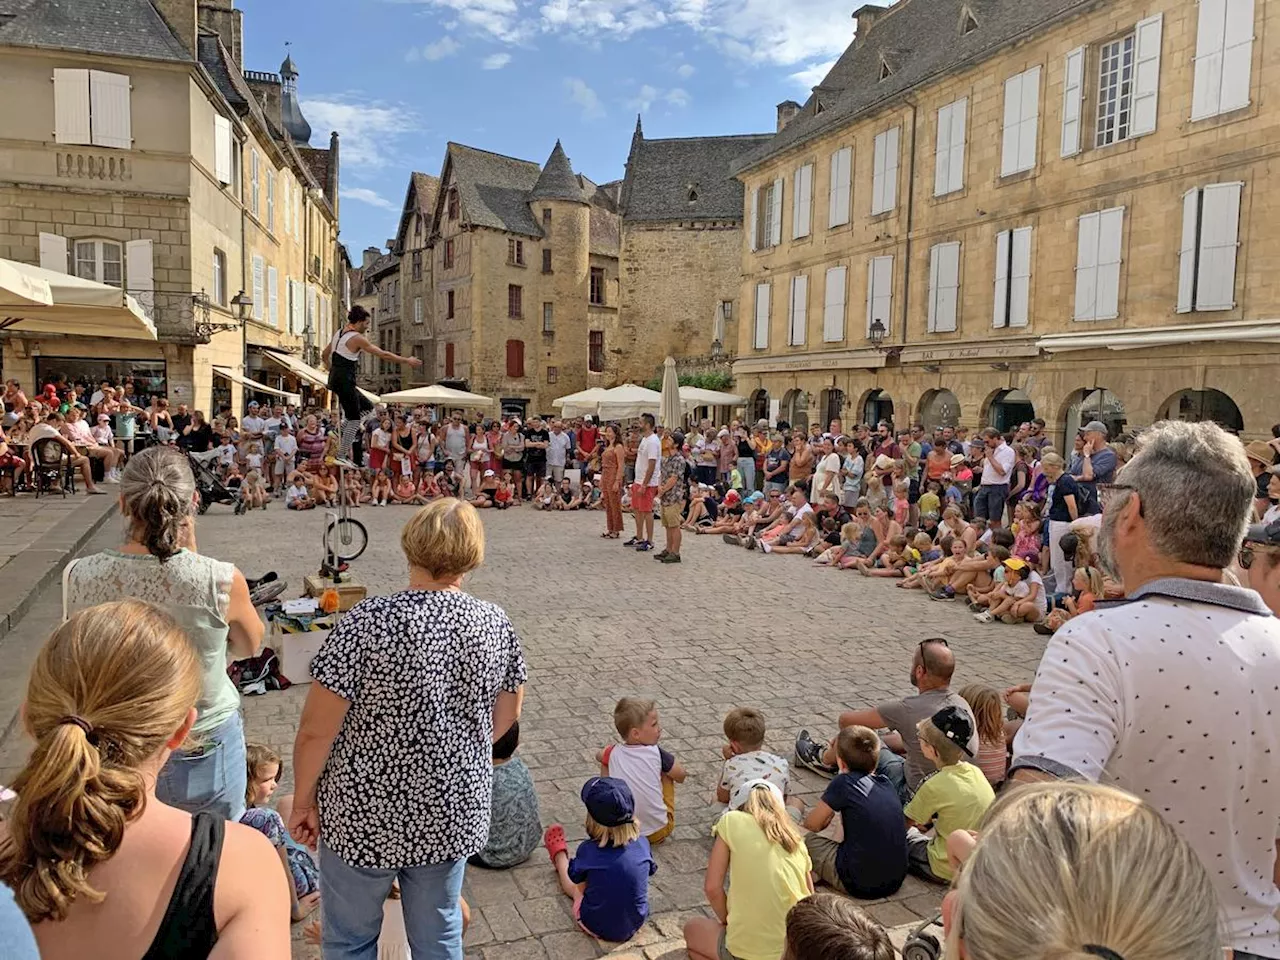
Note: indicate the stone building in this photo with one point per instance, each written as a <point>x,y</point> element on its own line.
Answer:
<point>416,292</point>
<point>996,209</point>
<point>525,276</point>
<point>681,255</point>
<point>380,295</point>
<point>130,137</point>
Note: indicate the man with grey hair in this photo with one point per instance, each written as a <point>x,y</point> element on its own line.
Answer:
<point>1172,694</point>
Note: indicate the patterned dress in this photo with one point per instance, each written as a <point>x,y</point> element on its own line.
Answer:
<point>305,870</point>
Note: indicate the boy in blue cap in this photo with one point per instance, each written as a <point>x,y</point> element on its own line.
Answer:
<point>608,878</point>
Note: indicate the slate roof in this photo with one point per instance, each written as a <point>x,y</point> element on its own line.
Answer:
<point>124,28</point>
<point>317,162</point>
<point>494,189</point>
<point>215,59</point>
<point>558,181</point>
<point>421,195</point>
<point>920,39</point>
<point>660,174</point>
<point>605,230</point>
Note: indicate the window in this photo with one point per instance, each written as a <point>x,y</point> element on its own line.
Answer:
<point>453,204</point>
<point>802,202</point>
<point>884,180</point>
<point>99,260</point>
<point>222,150</point>
<point>833,307</point>
<point>553,374</point>
<point>1210,236</point>
<point>841,187</point>
<point>92,107</point>
<point>1098,265</point>
<point>546,216</point>
<point>448,310</point>
<point>944,287</point>
<point>254,175</point>
<point>967,23</point>
<point>448,359</point>
<point>259,287</point>
<point>273,297</point>
<point>515,358</point>
<point>546,260</point>
<point>1115,91</point>
<point>798,311</point>
<point>417,265</point>
<point>885,70</point>
<point>1013,278</point>
<point>448,254</point>
<point>880,292</point>
<point>948,175</point>
<point>1072,101</point>
<point>766,216</point>
<point>595,351</point>
<point>417,226</point>
<point>515,301</point>
<point>726,309</point>
<point>548,318</point>
<point>417,309</point>
<point>515,252</point>
<point>1021,117</point>
<point>219,278</point>
<point>760,338</point>
<point>271,201</point>
<point>1224,57</point>
<point>597,285</point>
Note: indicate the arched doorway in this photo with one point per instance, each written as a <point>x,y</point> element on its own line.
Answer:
<point>759,405</point>
<point>1097,403</point>
<point>832,402</point>
<point>1195,406</point>
<point>877,406</point>
<point>939,408</point>
<point>1008,409</point>
<point>795,409</point>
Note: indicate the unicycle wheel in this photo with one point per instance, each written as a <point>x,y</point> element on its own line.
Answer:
<point>923,946</point>
<point>345,539</point>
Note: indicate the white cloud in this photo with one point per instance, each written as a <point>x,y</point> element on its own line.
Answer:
<point>812,75</point>
<point>496,61</point>
<point>677,97</point>
<point>585,97</point>
<point>412,55</point>
<point>444,47</point>
<point>368,128</point>
<point>685,71</point>
<point>371,197</point>
<point>643,99</point>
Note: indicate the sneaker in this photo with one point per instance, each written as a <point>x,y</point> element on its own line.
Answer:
<point>809,756</point>
<point>643,546</point>
<point>732,540</point>
<point>660,555</point>
<point>671,558</point>
<point>1043,629</point>
<point>113,476</point>
<point>767,547</point>
<point>976,607</point>
<point>943,596</point>
<point>631,543</point>
<point>752,543</point>
<point>984,617</point>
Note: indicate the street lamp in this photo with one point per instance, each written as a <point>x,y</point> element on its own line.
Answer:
<point>876,333</point>
<point>243,305</point>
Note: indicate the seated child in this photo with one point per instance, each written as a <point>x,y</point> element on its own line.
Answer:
<point>488,489</point>
<point>608,877</point>
<point>955,798</point>
<point>981,596</point>
<point>253,492</point>
<point>544,497</point>
<point>931,499</point>
<point>504,496</point>
<point>649,771</point>
<point>871,861</point>
<point>297,497</point>
<point>590,497</point>
<point>828,927</point>
<point>515,825</point>
<point>234,477</point>
<point>761,853</point>
<point>849,534</point>
<point>325,486</point>
<point>428,489</point>
<point>1023,595</point>
<point>1086,590</point>
<point>993,752</point>
<point>805,537</point>
<point>405,490</point>
<point>1027,539</point>
<point>900,555</point>
<point>936,574</point>
<point>745,758</point>
<point>448,480</point>
<point>380,489</point>
<point>355,488</point>
<point>264,768</point>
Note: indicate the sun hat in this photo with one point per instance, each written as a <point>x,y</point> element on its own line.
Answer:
<point>1016,563</point>
<point>743,790</point>
<point>884,462</point>
<point>957,459</point>
<point>609,801</point>
<point>1260,451</point>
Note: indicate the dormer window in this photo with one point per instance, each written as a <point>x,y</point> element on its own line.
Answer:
<point>968,23</point>
<point>691,194</point>
<point>885,70</point>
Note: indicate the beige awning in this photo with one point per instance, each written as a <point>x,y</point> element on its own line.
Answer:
<point>228,374</point>
<point>81,308</point>
<point>20,288</point>
<point>1248,331</point>
<point>316,378</point>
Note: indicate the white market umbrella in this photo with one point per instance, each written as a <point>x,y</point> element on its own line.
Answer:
<point>671,406</point>
<point>80,307</point>
<point>371,397</point>
<point>580,403</point>
<point>628,400</point>
<point>697,397</point>
<point>437,395</point>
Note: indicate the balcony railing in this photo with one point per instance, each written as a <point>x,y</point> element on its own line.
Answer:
<point>93,166</point>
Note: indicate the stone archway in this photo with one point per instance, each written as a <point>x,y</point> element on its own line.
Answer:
<point>1006,409</point>
<point>795,409</point>
<point>1091,403</point>
<point>876,405</point>
<point>939,408</point>
<point>831,403</point>
<point>1195,406</point>
<point>758,404</point>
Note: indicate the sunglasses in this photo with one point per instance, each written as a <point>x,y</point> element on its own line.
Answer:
<point>941,640</point>
<point>1248,553</point>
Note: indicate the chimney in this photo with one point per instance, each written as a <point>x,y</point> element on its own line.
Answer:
<point>182,19</point>
<point>334,169</point>
<point>370,254</point>
<point>866,15</point>
<point>787,111</point>
<point>222,17</point>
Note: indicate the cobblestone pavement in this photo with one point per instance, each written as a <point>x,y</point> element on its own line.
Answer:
<point>727,627</point>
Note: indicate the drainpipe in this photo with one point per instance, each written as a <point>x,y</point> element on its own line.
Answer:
<point>911,209</point>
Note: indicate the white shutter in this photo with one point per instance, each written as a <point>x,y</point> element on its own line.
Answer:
<point>1219,236</point>
<point>799,312</point>
<point>259,287</point>
<point>1021,121</point>
<point>877,176</point>
<point>1020,278</point>
<point>1000,305</point>
<point>944,282</point>
<point>53,252</point>
<point>1086,306</point>
<point>755,218</point>
<point>1146,84</point>
<point>140,275</point>
<point>959,134</point>
<point>273,297</point>
<point>71,106</point>
<point>1237,55</point>
<point>1072,101</point>
<point>802,201</point>
<point>761,340</point>
<point>880,292</point>
<point>1012,113</point>
<point>222,149</point>
<point>1206,97</point>
<point>942,153</point>
<point>1110,232</point>
<point>841,186</point>
<point>109,109</point>
<point>833,305</point>
<point>253,183</point>
<point>776,223</point>
<point>1187,251</point>
<point>271,200</point>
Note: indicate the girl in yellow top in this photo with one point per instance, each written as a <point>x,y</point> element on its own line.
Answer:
<point>762,853</point>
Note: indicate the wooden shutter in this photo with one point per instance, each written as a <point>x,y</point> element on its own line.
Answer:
<point>833,305</point>
<point>755,220</point>
<point>271,200</point>
<point>1086,305</point>
<point>273,297</point>
<point>1012,114</point>
<point>1110,231</point>
<point>776,213</point>
<point>1146,84</point>
<point>1219,238</point>
<point>1206,96</point>
<point>1021,121</point>
<point>959,136</point>
<point>799,310</point>
<point>944,284</point>
<point>1188,250</point>
<point>515,358</point>
<point>884,187</point>
<point>1000,304</point>
<point>1020,278</point>
<point>761,339</point>
<point>259,287</point>
<point>802,202</point>
<point>109,110</point>
<point>253,183</point>
<point>1237,54</point>
<point>841,186</point>
<point>222,149</point>
<point>53,252</point>
<point>71,106</point>
<point>140,275</point>
<point>448,359</point>
<point>880,292</point>
<point>1072,101</point>
<point>942,153</point>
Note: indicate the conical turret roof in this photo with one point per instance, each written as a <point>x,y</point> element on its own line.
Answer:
<point>558,181</point>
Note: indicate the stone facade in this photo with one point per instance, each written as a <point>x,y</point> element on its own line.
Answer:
<point>415,287</point>
<point>1146,362</point>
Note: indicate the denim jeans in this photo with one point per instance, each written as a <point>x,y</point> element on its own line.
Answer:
<point>351,901</point>
<point>894,769</point>
<point>209,777</point>
<point>747,467</point>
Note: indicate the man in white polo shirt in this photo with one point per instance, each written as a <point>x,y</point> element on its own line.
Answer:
<point>997,469</point>
<point>1174,694</point>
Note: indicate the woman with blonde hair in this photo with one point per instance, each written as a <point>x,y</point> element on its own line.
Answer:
<point>92,854</point>
<point>1075,871</point>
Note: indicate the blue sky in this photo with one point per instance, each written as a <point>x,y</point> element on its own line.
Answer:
<point>399,78</point>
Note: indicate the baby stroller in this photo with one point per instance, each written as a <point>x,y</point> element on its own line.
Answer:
<point>210,486</point>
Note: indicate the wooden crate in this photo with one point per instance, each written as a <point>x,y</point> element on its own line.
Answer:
<point>349,593</point>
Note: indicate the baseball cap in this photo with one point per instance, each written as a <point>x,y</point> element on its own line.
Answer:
<point>1261,451</point>
<point>1095,426</point>
<point>677,438</point>
<point>732,497</point>
<point>743,790</point>
<point>724,432</point>
<point>488,473</point>
<point>1267,534</point>
<point>955,726</point>
<point>103,418</point>
<point>588,419</point>
<point>755,497</point>
<point>253,403</point>
<point>608,800</point>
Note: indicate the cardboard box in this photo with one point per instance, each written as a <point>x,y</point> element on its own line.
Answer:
<point>349,593</point>
<point>296,651</point>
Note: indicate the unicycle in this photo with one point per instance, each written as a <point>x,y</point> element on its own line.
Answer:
<point>345,538</point>
<point>921,945</point>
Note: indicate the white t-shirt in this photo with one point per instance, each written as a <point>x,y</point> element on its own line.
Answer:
<point>641,767</point>
<point>829,464</point>
<point>1005,457</point>
<point>287,445</point>
<point>226,454</point>
<point>41,431</point>
<point>271,427</point>
<point>1172,696</point>
<point>1041,602</point>
<point>252,425</point>
<point>650,451</point>
<point>295,493</point>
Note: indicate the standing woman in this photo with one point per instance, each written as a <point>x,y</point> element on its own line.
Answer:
<point>613,462</point>
<point>800,466</point>
<point>512,445</point>
<point>380,446</point>
<point>310,441</point>
<point>479,454</point>
<point>401,450</point>
<point>1062,507</point>
<point>393,759</point>
<point>158,563</point>
<point>494,438</point>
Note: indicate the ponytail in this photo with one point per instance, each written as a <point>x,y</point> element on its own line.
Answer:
<point>770,814</point>
<point>158,488</point>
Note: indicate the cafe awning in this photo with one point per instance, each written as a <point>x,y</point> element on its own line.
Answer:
<point>228,374</point>
<point>317,378</point>
<point>76,307</point>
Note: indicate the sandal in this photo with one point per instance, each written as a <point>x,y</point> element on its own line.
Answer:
<point>554,841</point>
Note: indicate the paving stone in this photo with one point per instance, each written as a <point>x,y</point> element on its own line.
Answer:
<point>571,946</point>
<point>478,931</point>
<point>524,950</point>
<point>547,914</point>
<point>505,922</point>
<point>890,913</point>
